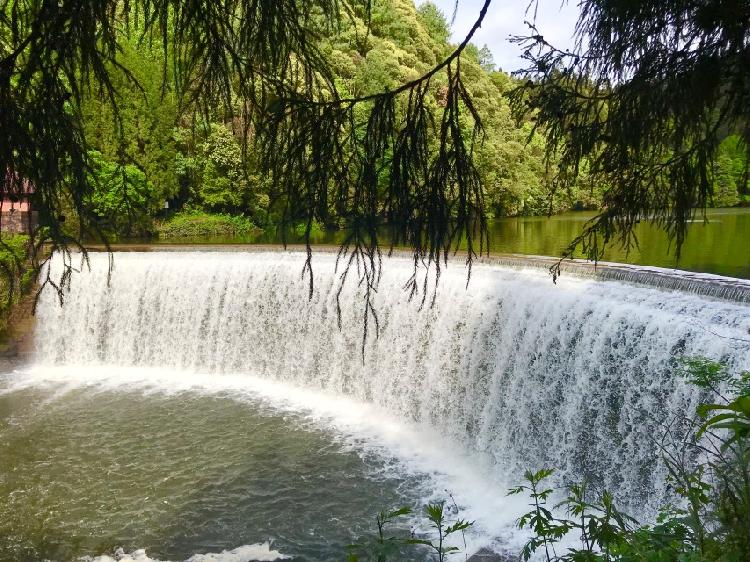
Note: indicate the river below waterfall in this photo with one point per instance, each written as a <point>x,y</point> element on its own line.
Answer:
<point>202,403</point>
<point>94,459</point>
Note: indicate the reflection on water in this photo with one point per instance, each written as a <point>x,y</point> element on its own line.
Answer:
<point>717,246</point>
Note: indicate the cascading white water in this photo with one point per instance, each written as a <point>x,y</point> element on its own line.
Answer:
<point>579,376</point>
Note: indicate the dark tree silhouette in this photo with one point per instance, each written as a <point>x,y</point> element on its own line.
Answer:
<point>376,168</point>
<point>642,102</point>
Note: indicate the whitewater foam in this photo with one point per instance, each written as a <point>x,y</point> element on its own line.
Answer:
<point>261,552</point>
<point>446,466</point>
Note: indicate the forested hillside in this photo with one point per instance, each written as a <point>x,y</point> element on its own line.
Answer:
<point>180,162</point>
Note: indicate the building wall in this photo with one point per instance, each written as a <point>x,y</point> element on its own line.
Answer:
<point>17,222</point>
<point>7,205</point>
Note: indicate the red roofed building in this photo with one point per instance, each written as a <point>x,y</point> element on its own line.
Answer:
<point>16,213</point>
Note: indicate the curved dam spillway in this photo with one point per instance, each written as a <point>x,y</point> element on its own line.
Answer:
<point>574,375</point>
<point>513,372</point>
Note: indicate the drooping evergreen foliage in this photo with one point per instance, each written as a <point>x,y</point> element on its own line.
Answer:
<point>402,42</point>
<point>352,114</point>
<point>358,116</point>
<point>176,154</point>
<point>643,105</point>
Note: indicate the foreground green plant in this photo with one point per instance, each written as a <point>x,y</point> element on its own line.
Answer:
<point>733,414</point>
<point>391,547</point>
<point>602,528</point>
<point>711,524</point>
<point>436,516</point>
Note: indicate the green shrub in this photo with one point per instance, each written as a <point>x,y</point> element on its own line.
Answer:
<point>316,229</point>
<point>13,256</point>
<point>195,224</point>
<point>389,546</point>
<point>123,200</point>
<point>13,248</point>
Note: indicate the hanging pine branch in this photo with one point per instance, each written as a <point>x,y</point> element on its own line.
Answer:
<point>643,102</point>
<point>380,174</point>
<point>349,160</point>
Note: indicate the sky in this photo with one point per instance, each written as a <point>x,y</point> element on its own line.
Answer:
<point>555,21</point>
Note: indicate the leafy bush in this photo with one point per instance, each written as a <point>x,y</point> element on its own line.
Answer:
<point>123,199</point>
<point>390,547</point>
<point>224,186</point>
<point>316,229</point>
<point>196,224</point>
<point>13,248</point>
<point>15,278</point>
<point>215,178</point>
<point>13,253</point>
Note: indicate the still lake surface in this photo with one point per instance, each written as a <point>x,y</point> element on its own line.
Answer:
<point>717,245</point>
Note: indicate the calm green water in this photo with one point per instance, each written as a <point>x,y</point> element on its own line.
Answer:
<point>718,246</point>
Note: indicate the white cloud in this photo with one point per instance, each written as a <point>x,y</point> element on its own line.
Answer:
<point>555,20</point>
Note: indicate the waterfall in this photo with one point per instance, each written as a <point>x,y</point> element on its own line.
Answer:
<point>580,375</point>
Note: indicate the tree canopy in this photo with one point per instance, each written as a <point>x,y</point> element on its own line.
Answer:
<point>181,159</point>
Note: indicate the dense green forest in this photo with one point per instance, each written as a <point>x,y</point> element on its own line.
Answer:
<point>177,165</point>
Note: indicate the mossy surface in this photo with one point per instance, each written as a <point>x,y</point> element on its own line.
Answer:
<point>16,296</point>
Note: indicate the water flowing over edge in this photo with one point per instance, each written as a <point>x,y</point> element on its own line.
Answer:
<point>578,376</point>
<point>705,284</point>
